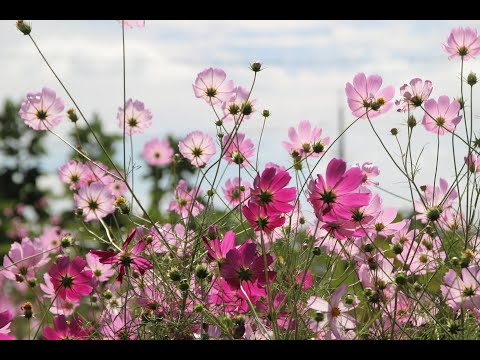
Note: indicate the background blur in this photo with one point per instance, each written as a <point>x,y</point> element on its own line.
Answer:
<point>307,64</point>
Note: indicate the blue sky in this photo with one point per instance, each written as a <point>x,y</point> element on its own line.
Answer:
<point>307,65</point>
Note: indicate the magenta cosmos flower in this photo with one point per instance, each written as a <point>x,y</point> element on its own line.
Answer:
<point>96,201</point>
<point>414,94</point>
<point>236,191</point>
<point>130,24</point>
<point>58,305</point>
<point>243,264</point>
<point>73,173</point>
<point>23,260</point>
<point>211,86</point>
<point>185,202</point>
<point>239,150</point>
<point>463,43</point>
<point>63,331</point>
<point>441,116</point>
<point>339,320</point>
<point>462,291</point>
<point>217,250</point>
<point>158,152</point>
<point>270,193</point>
<point>262,220</point>
<point>71,280</point>
<point>305,142</point>
<point>6,318</point>
<point>238,107</point>
<point>126,258</point>
<point>197,147</point>
<point>138,118</point>
<point>335,197</point>
<point>365,95</point>
<point>42,110</point>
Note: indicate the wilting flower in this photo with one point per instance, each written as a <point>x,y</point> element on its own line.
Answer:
<point>236,191</point>
<point>63,331</point>
<point>473,162</point>
<point>42,110</point>
<point>185,202</point>
<point>197,147</point>
<point>73,173</point>
<point>126,258</point>
<point>365,95</point>
<point>96,201</point>
<point>211,86</point>
<point>237,106</point>
<point>336,197</point>
<point>158,152</point>
<point>129,24</point>
<point>463,43</point>
<point>239,150</point>
<point>138,118</point>
<point>270,193</point>
<point>243,264</point>
<point>441,117</point>
<point>462,291</point>
<point>414,94</point>
<point>71,280</point>
<point>369,171</point>
<point>338,318</point>
<point>307,142</point>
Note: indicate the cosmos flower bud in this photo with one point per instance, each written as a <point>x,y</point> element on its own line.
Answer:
<point>461,102</point>
<point>212,232</point>
<point>349,299</point>
<point>397,248</point>
<point>79,211</point>
<point>266,113</point>
<point>72,115</point>
<point>401,278</point>
<point>411,121</point>
<point>219,123</point>
<point>319,317</point>
<point>184,285</point>
<point>433,214</point>
<point>122,204</point>
<point>256,66</point>
<point>175,275</point>
<point>472,79</point>
<point>316,251</point>
<point>67,241</point>
<point>198,308</point>
<point>455,261</point>
<point>417,287</point>
<point>149,239</point>
<point>24,27</point>
<point>107,294</point>
<point>32,283</point>
<point>423,187</point>
<point>201,271</point>
<point>211,193</point>
<point>394,131</point>
<point>368,292</point>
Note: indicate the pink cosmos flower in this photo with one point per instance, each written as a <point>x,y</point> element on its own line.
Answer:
<point>434,201</point>
<point>243,264</point>
<point>338,318</point>
<point>211,86</point>
<point>270,193</point>
<point>383,224</point>
<point>176,237</point>
<point>239,149</point>
<point>335,198</point>
<point>260,219</point>
<point>185,202</point>
<point>101,272</point>
<point>365,95</point>
<point>237,106</point>
<point>197,147</point>
<point>307,280</point>
<point>73,173</point>
<point>138,118</point>
<point>6,318</point>
<point>126,258</point>
<point>217,250</point>
<point>462,291</point>
<point>463,43</point>
<point>96,201</point>
<point>71,280</point>
<point>23,260</point>
<point>97,174</point>
<point>117,188</point>
<point>369,170</point>
<point>441,117</point>
<point>73,331</point>
<point>130,24</point>
<point>307,142</point>
<point>236,191</point>
<point>414,94</point>
<point>59,306</point>
<point>120,327</point>
<point>51,238</point>
<point>158,152</point>
<point>473,162</point>
<point>42,110</point>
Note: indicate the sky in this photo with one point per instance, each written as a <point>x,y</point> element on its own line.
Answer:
<point>307,64</point>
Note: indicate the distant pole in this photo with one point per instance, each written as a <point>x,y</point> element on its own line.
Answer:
<point>341,127</point>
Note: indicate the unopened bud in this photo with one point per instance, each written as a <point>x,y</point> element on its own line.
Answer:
<point>67,241</point>
<point>266,113</point>
<point>472,79</point>
<point>24,27</point>
<point>256,66</point>
<point>394,131</point>
<point>27,310</point>
<point>72,115</point>
<point>411,121</point>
